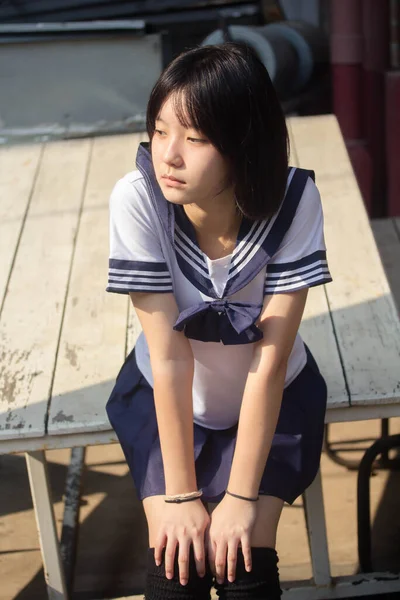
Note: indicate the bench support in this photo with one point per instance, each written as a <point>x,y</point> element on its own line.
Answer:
<point>49,545</point>
<point>316,530</point>
<point>72,500</point>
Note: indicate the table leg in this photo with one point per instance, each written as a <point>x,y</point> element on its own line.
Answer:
<point>72,499</point>
<point>385,461</point>
<point>316,530</point>
<point>49,545</point>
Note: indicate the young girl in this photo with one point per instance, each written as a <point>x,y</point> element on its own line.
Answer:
<point>217,241</point>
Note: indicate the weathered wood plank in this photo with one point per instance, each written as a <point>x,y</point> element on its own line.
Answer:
<point>362,307</point>
<point>33,308</point>
<point>18,167</point>
<point>93,339</point>
<point>51,442</point>
<point>316,328</point>
<point>317,332</point>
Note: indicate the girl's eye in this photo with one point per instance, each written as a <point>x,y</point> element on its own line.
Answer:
<point>197,140</point>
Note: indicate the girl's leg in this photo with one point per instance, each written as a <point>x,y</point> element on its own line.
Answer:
<point>262,582</point>
<point>269,511</point>
<point>158,587</point>
<point>153,506</point>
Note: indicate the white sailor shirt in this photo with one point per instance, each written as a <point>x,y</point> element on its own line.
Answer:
<point>153,248</point>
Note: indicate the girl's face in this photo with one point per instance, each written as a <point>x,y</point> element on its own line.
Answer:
<point>187,155</point>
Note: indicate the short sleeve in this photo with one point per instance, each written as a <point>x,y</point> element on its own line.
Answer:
<point>136,261</point>
<point>300,260</point>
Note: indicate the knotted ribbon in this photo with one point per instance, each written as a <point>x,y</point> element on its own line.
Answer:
<point>223,321</point>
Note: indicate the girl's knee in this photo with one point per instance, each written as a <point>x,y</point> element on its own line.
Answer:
<point>153,506</point>
<point>158,587</point>
<point>261,583</point>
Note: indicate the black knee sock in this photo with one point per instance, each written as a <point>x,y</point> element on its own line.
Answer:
<point>158,587</point>
<point>261,583</point>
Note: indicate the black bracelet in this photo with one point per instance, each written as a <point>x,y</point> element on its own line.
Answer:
<point>242,497</point>
<point>180,500</point>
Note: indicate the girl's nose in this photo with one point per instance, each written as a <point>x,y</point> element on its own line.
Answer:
<point>172,155</point>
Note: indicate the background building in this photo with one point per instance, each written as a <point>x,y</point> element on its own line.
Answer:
<point>73,68</point>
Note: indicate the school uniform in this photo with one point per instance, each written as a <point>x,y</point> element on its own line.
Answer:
<point>153,248</point>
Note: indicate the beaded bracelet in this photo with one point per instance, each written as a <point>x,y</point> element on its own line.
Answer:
<point>178,498</point>
<point>242,497</point>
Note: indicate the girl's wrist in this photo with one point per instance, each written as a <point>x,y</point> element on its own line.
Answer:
<point>188,497</point>
<point>185,486</point>
<point>237,485</point>
<point>249,490</point>
<point>242,497</point>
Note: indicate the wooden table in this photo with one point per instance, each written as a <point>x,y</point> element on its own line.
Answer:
<point>63,339</point>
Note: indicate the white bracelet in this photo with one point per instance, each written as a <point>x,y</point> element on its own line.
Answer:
<point>184,497</point>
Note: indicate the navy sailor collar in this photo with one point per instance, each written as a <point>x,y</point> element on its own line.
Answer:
<point>257,240</point>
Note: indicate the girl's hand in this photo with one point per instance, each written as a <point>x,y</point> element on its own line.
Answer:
<point>182,524</point>
<point>232,522</point>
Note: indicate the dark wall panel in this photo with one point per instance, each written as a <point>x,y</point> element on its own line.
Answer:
<point>19,11</point>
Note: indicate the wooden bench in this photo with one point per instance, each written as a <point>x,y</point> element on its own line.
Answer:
<point>63,339</point>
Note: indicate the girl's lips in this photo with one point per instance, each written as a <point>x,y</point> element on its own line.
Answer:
<point>173,182</point>
<point>173,178</point>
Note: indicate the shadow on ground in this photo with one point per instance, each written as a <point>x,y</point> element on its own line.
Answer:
<point>386,527</point>
<point>113,537</point>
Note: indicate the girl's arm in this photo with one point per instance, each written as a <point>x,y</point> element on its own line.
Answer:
<point>181,525</point>
<point>279,321</point>
<point>171,360</point>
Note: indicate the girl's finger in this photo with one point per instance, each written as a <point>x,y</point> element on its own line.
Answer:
<point>158,548</point>
<point>183,561</point>
<point>246,550</point>
<point>170,557</point>
<point>211,554</point>
<point>199,555</point>
<point>220,561</point>
<point>232,559</point>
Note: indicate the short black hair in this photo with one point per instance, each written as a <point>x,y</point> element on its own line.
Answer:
<point>229,97</point>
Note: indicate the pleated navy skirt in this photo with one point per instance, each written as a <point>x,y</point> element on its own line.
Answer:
<point>293,460</point>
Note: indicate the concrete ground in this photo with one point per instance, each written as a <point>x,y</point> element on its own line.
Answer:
<point>112,541</point>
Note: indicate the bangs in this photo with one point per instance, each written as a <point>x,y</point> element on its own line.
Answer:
<point>186,107</point>
<point>194,104</point>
